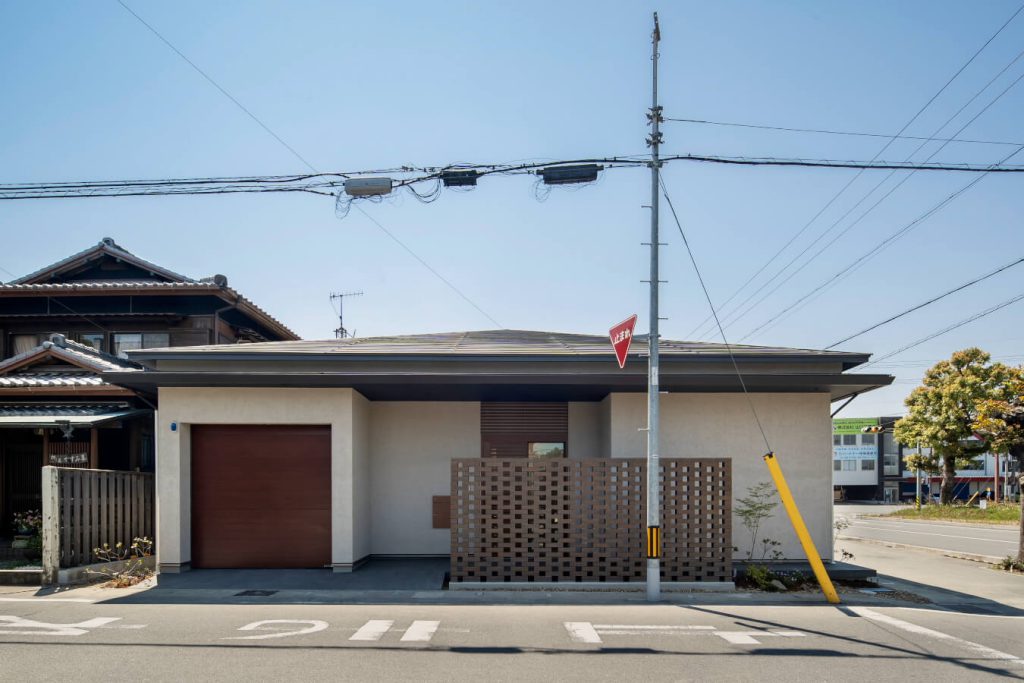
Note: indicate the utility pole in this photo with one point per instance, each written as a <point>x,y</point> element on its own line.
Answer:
<point>653,396</point>
<point>341,332</point>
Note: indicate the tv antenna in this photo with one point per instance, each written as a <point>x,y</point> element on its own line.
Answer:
<point>341,332</point>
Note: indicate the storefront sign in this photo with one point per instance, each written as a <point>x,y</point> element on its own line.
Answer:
<point>69,458</point>
<point>853,425</point>
<point>854,452</point>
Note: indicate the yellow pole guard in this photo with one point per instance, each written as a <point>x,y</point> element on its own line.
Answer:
<point>653,542</point>
<point>801,529</point>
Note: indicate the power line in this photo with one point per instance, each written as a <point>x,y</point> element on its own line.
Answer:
<point>218,87</point>
<point>950,328</point>
<point>927,303</point>
<point>894,188</point>
<point>852,180</point>
<point>707,297</point>
<point>885,243</point>
<point>736,315</point>
<point>297,155</point>
<point>839,132</point>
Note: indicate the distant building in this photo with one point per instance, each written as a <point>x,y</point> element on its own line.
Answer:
<point>868,464</point>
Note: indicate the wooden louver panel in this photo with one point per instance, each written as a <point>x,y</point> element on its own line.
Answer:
<point>506,429</point>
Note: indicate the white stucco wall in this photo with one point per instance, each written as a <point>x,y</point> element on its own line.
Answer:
<point>412,445</point>
<point>362,473</point>
<point>188,406</point>
<point>584,430</point>
<point>721,425</point>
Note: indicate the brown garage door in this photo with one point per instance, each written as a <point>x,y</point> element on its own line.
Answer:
<point>261,496</point>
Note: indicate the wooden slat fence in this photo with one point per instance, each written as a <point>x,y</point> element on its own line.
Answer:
<point>521,520</point>
<point>83,509</point>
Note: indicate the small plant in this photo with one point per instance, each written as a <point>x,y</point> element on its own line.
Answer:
<point>760,576</point>
<point>839,526</point>
<point>30,522</point>
<point>1011,564</point>
<point>758,506</point>
<point>132,569</point>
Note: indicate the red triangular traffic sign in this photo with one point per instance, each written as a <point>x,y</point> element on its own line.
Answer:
<point>621,336</point>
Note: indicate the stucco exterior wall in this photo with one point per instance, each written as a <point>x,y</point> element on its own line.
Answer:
<point>798,427</point>
<point>412,445</point>
<point>207,405</point>
<point>362,474</point>
<point>584,430</point>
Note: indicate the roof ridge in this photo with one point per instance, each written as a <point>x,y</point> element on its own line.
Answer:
<point>105,246</point>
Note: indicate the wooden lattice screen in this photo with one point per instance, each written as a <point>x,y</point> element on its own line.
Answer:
<point>584,520</point>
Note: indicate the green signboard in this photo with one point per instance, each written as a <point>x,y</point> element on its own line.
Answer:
<point>853,425</point>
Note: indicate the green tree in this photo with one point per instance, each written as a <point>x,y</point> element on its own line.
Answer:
<point>1001,420</point>
<point>945,408</point>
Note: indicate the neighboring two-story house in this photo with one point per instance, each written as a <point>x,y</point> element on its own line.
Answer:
<point>63,325</point>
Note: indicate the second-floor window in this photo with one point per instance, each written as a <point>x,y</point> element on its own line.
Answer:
<point>127,341</point>
<point>93,339</point>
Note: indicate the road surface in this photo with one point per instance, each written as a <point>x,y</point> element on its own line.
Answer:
<point>993,541</point>
<point>44,639</point>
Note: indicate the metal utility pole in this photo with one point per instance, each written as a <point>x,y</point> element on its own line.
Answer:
<point>341,332</point>
<point>653,469</point>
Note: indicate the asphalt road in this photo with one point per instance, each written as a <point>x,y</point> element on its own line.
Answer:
<point>995,541</point>
<point>44,639</point>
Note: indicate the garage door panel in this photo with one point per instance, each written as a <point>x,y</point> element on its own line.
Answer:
<point>261,496</point>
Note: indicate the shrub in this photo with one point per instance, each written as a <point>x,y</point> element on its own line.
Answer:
<point>134,569</point>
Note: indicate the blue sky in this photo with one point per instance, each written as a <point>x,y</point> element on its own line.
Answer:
<point>90,93</point>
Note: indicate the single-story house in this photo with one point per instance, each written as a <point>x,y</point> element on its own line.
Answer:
<point>325,453</point>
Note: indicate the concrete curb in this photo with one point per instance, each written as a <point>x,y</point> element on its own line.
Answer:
<point>973,557</point>
<point>594,586</point>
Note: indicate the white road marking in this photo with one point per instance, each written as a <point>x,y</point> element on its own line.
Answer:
<point>927,533</point>
<point>312,626</point>
<point>586,632</point>
<point>582,632</point>
<point>86,600</point>
<point>373,629</point>
<point>13,624</point>
<point>421,631</point>
<point>931,633</point>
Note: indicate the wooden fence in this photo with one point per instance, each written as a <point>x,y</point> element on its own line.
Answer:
<point>521,520</point>
<point>83,509</point>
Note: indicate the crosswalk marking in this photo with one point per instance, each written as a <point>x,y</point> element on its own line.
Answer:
<point>586,632</point>
<point>373,629</point>
<point>421,631</point>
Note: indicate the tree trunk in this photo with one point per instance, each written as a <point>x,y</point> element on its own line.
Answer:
<point>948,478</point>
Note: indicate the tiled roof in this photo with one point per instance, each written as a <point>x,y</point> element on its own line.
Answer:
<point>51,379</point>
<point>85,357</point>
<point>59,409</point>
<point>492,343</point>
<point>106,246</point>
<point>103,284</point>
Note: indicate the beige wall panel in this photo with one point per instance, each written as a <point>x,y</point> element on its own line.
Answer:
<point>584,430</point>
<point>721,425</point>
<point>413,444</point>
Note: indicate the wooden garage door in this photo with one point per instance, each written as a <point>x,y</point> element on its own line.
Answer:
<point>261,496</point>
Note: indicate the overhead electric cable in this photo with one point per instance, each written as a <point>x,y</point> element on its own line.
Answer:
<point>841,132</point>
<point>885,243</point>
<point>927,303</point>
<point>707,297</point>
<point>299,156</point>
<point>885,196</point>
<point>849,183</point>
<point>950,328</point>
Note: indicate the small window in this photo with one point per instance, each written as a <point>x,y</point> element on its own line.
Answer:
<point>837,440</point>
<point>20,343</point>
<point>849,465</point>
<point>849,439</point>
<point>156,340</point>
<point>95,340</point>
<point>126,342</point>
<point>538,450</point>
<point>867,465</point>
<point>837,465</point>
<point>869,439</point>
